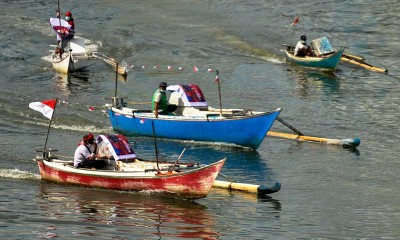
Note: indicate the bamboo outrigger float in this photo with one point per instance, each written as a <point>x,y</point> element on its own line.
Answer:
<point>349,142</point>
<point>299,136</point>
<point>359,61</point>
<point>245,187</point>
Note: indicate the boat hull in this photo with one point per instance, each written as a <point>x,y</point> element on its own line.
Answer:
<point>329,62</point>
<point>63,65</point>
<point>246,131</point>
<point>192,184</point>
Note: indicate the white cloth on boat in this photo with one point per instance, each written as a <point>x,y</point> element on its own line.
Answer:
<point>188,95</point>
<point>115,146</point>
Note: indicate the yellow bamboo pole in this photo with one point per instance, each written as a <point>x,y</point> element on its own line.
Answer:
<point>346,142</point>
<point>258,189</point>
<point>364,65</point>
<point>348,55</point>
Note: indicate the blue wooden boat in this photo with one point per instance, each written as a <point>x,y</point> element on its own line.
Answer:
<point>194,120</point>
<point>328,61</point>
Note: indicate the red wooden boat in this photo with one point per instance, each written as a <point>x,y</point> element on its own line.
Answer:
<point>130,174</point>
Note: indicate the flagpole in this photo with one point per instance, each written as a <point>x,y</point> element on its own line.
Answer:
<point>59,20</point>
<point>48,130</point>
<point>116,81</point>
<point>294,23</point>
<point>219,95</point>
<point>290,43</point>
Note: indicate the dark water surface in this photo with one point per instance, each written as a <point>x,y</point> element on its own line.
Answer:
<point>327,192</point>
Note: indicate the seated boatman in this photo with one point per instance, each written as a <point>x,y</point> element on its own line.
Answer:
<point>159,102</point>
<point>85,154</point>
<point>302,49</point>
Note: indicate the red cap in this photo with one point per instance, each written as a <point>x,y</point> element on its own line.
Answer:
<point>88,137</point>
<point>68,14</point>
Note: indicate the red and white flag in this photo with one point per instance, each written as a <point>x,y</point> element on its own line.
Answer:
<point>217,78</point>
<point>46,107</point>
<point>296,20</point>
<point>195,69</point>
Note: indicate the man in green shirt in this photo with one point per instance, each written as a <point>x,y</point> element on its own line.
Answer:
<point>159,102</point>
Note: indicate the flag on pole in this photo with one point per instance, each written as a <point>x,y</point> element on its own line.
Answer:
<point>46,107</point>
<point>296,20</point>
<point>217,78</point>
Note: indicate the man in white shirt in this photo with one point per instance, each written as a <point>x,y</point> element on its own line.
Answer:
<point>85,154</point>
<point>302,49</point>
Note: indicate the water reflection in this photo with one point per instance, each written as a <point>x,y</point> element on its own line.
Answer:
<point>310,81</point>
<point>273,203</point>
<point>68,84</point>
<point>96,212</point>
<point>63,83</point>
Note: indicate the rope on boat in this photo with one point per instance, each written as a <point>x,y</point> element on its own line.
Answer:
<point>138,103</point>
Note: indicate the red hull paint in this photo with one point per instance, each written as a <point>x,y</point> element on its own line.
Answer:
<point>192,184</point>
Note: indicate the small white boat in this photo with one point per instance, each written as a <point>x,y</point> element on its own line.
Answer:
<point>64,64</point>
<point>76,56</point>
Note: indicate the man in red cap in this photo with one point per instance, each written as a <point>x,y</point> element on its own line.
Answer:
<point>85,154</point>
<point>70,20</point>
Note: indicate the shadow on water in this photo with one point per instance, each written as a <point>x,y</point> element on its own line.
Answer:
<point>97,211</point>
